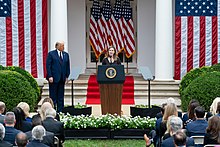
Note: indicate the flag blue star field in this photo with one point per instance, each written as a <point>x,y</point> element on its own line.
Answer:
<point>197,29</point>
<point>24,35</point>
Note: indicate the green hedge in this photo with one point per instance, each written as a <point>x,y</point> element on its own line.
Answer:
<point>26,75</point>
<point>205,89</point>
<point>15,88</point>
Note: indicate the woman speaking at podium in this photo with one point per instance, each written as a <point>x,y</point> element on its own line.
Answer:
<point>111,57</point>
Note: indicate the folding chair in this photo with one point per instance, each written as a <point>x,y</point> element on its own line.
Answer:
<point>56,141</point>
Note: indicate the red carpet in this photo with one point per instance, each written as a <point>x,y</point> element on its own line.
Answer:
<point>93,96</point>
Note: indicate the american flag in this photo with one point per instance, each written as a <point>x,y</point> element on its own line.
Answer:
<point>197,29</point>
<point>95,35</point>
<point>23,35</point>
<point>112,27</point>
<point>128,36</point>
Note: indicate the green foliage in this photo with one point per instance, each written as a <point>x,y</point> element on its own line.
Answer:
<point>145,106</point>
<point>78,106</point>
<point>205,89</point>
<point>215,67</point>
<point>190,76</point>
<point>15,88</point>
<point>28,76</point>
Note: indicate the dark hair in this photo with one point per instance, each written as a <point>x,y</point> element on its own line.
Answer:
<point>36,120</point>
<point>214,127</point>
<point>21,139</point>
<point>163,107</point>
<point>179,138</point>
<point>199,111</point>
<point>192,105</point>
<point>19,116</point>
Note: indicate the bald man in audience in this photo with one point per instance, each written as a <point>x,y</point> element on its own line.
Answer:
<point>21,139</point>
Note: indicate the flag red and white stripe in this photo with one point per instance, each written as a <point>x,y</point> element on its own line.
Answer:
<point>24,35</point>
<point>196,35</point>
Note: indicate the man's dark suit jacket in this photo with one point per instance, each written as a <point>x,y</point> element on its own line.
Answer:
<point>48,139</point>
<point>169,142</point>
<point>197,128</point>
<point>54,126</point>
<point>55,67</point>
<point>10,134</point>
<point>5,144</point>
<point>36,143</point>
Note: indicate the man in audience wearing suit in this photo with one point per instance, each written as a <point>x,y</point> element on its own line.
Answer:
<point>197,127</point>
<point>37,136</point>
<point>179,139</point>
<point>58,70</point>
<point>10,131</point>
<point>48,139</point>
<point>21,139</point>
<point>2,135</point>
<point>52,125</point>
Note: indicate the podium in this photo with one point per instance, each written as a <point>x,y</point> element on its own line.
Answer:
<point>111,79</point>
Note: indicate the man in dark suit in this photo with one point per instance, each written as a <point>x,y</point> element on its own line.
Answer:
<point>48,139</point>
<point>21,139</point>
<point>10,131</point>
<point>58,70</point>
<point>2,135</point>
<point>52,125</point>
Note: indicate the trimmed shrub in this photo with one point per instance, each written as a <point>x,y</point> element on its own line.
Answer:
<point>215,67</point>
<point>190,76</point>
<point>205,89</point>
<point>26,75</point>
<point>15,88</point>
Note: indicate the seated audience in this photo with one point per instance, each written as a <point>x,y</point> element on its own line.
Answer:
<point>2,111</point>
<point>48,139</point>
<point>175,125</point>
<point>197,127</point>
<point>2,135</point>
<point>21,124</point>
<point>37,136</point>
<point>21,140</point>
<point>189,116</point>
<point>179,139</point>
<point>26,108</point>
<point>52,125</point>
<point>212,135</point>
<point>10,131</point>
<point>218,109</point>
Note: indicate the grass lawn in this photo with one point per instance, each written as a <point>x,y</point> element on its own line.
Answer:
<point>105,143</point>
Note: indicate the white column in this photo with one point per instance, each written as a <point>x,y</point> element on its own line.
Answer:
<point>58,24</point>
<point>164,46</point>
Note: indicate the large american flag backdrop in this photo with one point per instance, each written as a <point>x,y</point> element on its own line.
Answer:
<point>112,27</point>
<point>197,34</point>
<point>24,35</point>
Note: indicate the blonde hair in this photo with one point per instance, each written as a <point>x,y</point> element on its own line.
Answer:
<point>25,107</point>
<point>214,105</point>
<point>43,109</point>
<point>170,109</point>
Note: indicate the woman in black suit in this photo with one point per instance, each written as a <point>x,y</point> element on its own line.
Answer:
<point>111,57</point>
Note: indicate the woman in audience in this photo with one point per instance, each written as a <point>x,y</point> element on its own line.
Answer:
<point>21,124</point>
<point>47,99</point>
<point>218,109</point>
<point>43,109</point>
<point>212,135</point>
<point>213,108</point>
<point>189,116</point>
<point>26,108</point>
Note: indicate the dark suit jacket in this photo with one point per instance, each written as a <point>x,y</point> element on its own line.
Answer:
<point>55,67</point>
<point>106,62</point>
<point>54,126</point>
<point>10,134</point>
<point>5,144</point>
<point>197,128</point>
<point>169,142</point>
<point>48,139</point>
<point>26,126</point>
<point>36,143</point>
